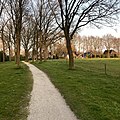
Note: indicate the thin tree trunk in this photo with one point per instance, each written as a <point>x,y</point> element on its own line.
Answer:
<point>33,49</point>
<point>3,51</point>
<point>9,47</point>
<point>40,44</point>
<point>37,46</point>
<point>18,49</point>
<point>9,53</point>
<point>15,58</point>
<point>33,54</point>
<point>95,53</point>
<point>108,54</point>
<point>40,54</point>
<point>45,52</point>
<point>26,55</point>
<point>118,51</point>
<point>3,46</point>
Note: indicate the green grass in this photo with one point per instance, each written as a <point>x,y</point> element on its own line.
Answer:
<point>91,94</point>
<point>15,88</point>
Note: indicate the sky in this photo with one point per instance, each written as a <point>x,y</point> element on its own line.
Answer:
<point>88,31</point>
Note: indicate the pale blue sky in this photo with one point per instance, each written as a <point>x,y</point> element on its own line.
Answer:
<point>115,31</point>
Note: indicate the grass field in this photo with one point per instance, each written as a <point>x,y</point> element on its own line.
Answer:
<point>91,94</point>
<point>15,87</point>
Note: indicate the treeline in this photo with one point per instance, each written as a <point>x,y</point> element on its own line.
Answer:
<point>90,46</point>
<point>106,45</point>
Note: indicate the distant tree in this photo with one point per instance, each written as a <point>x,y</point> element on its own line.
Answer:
<point>74,14</point>
<point>108,43</point>
<point>85,43</point>
<point>95,44</point>
<point>79,42</point>
<point>100,45</point>
<point>60,49</point>
<point>116,44</point>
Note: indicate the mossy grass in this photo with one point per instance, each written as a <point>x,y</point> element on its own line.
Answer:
<point>15,88</point>
<point>91,94</point>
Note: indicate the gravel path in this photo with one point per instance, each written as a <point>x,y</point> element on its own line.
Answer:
<point>46,102</point>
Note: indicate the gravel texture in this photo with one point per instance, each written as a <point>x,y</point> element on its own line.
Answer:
<point>46,102</point>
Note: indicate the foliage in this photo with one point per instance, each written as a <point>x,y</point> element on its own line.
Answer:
<point>15,87</point>
<point>91,94</point>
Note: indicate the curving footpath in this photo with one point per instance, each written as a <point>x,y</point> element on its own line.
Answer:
<point>46,102</point>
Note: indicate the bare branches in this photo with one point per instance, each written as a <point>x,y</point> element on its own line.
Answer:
<point>2,6</point>
<point>80,13</point>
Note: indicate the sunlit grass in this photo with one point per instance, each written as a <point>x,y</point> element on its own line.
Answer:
<point>15,88</point>
<point>91,94</point>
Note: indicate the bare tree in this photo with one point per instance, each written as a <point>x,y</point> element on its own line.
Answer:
<point>10,38</point>
<point>27,36</point>
<point>116,45</point>
<point>3,42</point>
<point>16,10</point>
<point>74,14</point>
<point>108,42</point>
<point>3,34</point>
<point>78,41</point>
<point>47,31</point>
<point>94,44</point>
<point>99,45</point>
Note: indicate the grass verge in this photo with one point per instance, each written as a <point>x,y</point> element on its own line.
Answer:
<point>91,94</point>
<point>15,88</point>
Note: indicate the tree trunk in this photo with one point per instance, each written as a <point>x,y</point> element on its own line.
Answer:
<point>108,54</point>
<point>3,51</point>
<point>33,49</point>
<point>18,29</point>
<point>9,53</point>
<point>3,46</point>
<point>118,48</point>
<point>95,53</point>
<point>69,47</point>
<point>40,44</point>
<point>70,53</point>
<point>9,47</point>
<point>18,49</point>
<point>40,54</point>
<point>37,46</point>
<point>45,52</point>
<point>33,54</point>
<point>26,55</point>
<point>15,54</point>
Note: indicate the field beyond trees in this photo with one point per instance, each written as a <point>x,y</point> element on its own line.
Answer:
<point>92,93</point>
<point>15,88</point>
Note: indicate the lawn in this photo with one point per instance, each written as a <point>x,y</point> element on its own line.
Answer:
<point>15,88</point>
<point>91,93</point>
